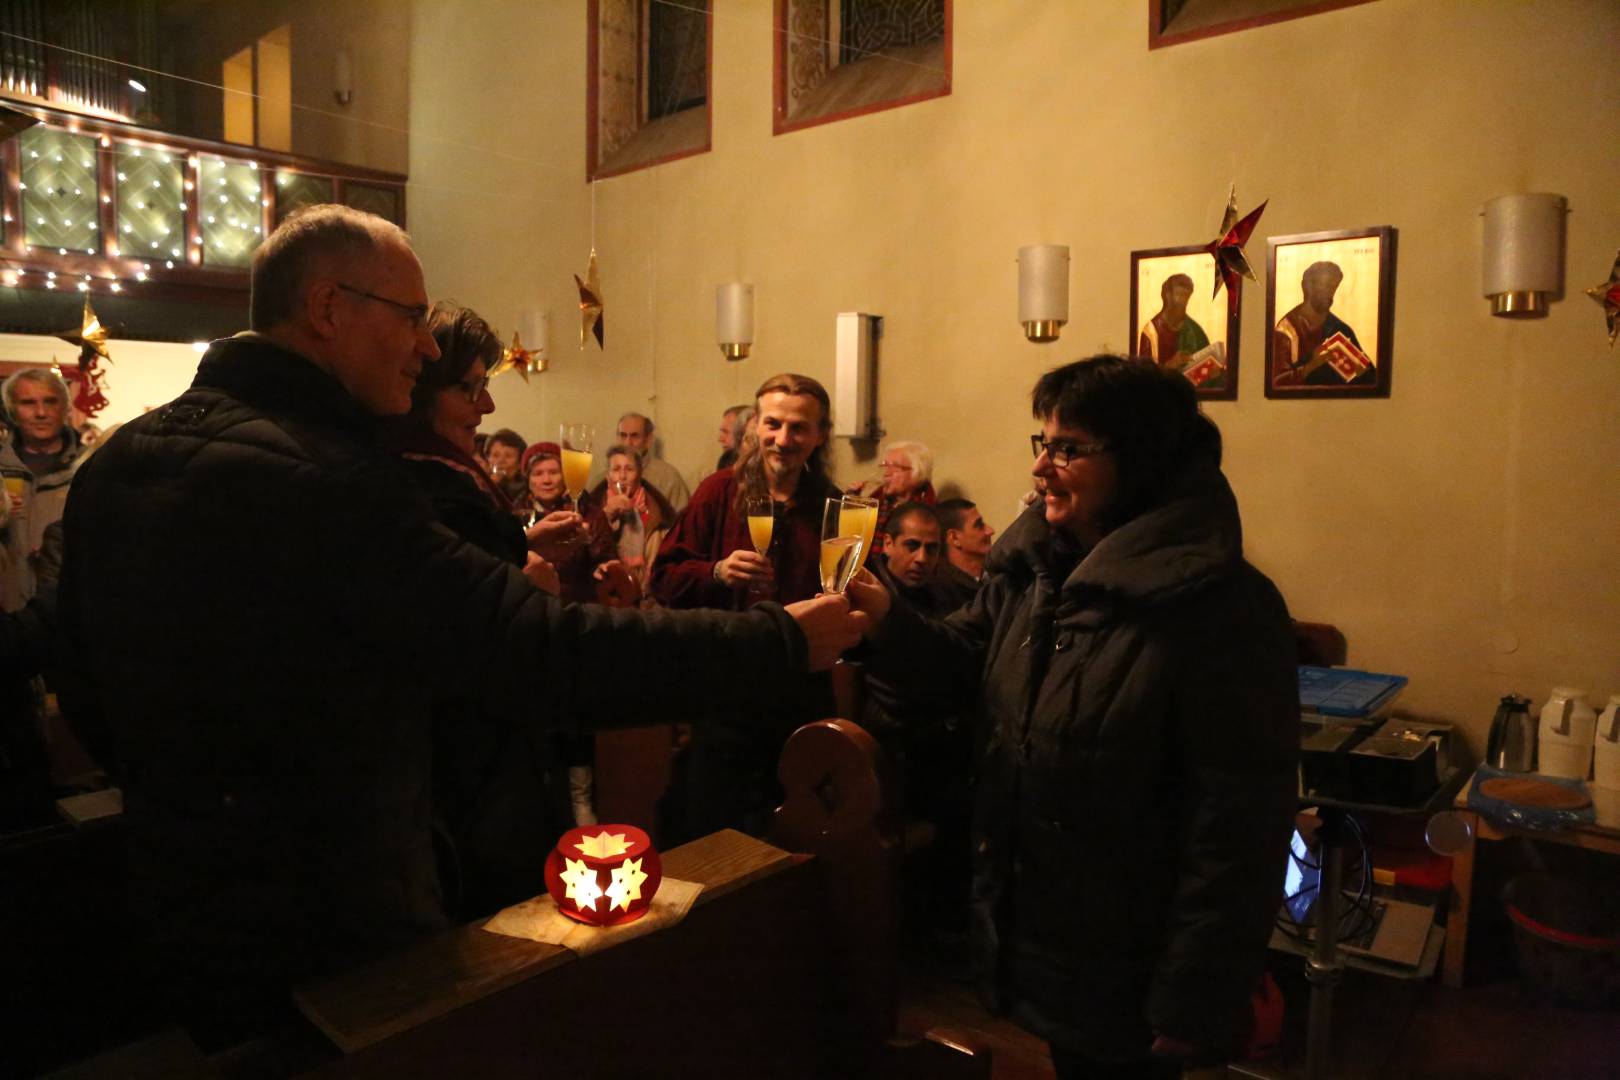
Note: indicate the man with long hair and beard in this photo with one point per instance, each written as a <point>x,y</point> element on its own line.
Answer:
<point>727,779</point>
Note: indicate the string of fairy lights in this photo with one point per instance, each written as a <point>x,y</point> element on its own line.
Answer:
<point>60,186</point>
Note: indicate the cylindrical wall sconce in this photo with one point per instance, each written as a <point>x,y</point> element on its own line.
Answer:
<point>343,77</point>
<point>1523,247</point>
<point>734,319</point>
<point>535,326</point>
<point>1043,290</point>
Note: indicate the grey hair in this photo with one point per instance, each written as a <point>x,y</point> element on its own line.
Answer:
<point>917,455</point>
<point>645,419</point>
<point>282,264</point>
<point>740,419</point>
<point>8,389</point>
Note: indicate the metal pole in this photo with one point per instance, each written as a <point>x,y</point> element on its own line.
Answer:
<point>1325,969</point>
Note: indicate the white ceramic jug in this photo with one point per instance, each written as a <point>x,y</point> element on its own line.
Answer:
<point>1567,728</point>
<point>1606,748</point>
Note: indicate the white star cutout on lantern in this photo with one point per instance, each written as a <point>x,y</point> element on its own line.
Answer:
<point>582,887</point>
<point>603,845</point>
<point>626,884</point>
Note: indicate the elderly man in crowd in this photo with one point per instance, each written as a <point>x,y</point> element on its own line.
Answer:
<point>37,466</point>
<point>905,475</point>
<point>267,613</point>
<point>967,545</point>
<point>636,432</point>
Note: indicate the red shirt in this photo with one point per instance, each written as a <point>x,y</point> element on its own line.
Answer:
<point>710,528</point>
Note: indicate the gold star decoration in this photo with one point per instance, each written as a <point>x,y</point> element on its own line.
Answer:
<point>603,845</point>
<point>626,884</point>
<point>590,304</point>
<point>583,889</point>
<point>1231,264</point>
<point>88,382</point>
<point>1608,294</point>
<point>516,358</point>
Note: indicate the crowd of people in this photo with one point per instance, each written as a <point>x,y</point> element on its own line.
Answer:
<point>345,654</point>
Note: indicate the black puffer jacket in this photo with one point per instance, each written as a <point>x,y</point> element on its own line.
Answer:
<point>1136,774</point>
<point>268,613</point>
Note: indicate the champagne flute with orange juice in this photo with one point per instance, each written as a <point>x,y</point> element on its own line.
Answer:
<point>15,487</point>
<point>577,442</point>
<point>760,511</point>
<point>761,521</point>
<point>841,547</point>
<point>858,517</point>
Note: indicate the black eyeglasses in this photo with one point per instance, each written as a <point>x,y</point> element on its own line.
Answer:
<point>474,388</point>
<point>416,313</point>
<point>1061,452</point>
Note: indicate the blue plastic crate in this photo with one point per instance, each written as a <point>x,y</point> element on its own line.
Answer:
<point>1346,692</point>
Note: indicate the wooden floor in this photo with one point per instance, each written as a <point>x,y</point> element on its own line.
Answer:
<point>1384,1028</point>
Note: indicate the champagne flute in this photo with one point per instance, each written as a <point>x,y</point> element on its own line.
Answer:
<point>858,517</point>
<point>577,442</point>
<point>842,544</point>
<point>761,510</point>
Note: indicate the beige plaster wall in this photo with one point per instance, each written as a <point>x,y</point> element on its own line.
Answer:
<point>1464,532</point>
<point>370,130</point>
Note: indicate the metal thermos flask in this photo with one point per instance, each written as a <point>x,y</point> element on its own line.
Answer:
<point>1512,743</point>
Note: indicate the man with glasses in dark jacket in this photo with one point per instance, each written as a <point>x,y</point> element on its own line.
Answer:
<point>265,612</point>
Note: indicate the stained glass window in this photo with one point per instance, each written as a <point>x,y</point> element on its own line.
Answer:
<point>373,199</point>
<point>151,203</point>
<point>59,189</point>
<point>295,190</point>
<point>229,211</point>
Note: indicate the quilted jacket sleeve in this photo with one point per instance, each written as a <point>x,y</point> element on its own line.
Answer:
<point>480,627</point>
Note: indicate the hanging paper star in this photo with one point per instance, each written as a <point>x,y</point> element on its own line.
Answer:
<point>88,396</point>
<point>516,358</point>
<point>1231,264</point>
<point>590,304</point>
<point>1608,294</point>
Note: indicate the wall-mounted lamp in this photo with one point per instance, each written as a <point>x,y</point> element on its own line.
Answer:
<point>535,326</point>
<point>1524,241</point>
<point>734,319</point>
<point>343,77</point>
<point>855,371</point>
<point>1043,290</point>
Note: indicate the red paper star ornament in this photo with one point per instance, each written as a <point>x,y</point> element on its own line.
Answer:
<point>1231,264</point>
<point>1608,294</point>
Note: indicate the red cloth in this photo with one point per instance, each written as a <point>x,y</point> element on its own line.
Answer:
<point>709,529</point>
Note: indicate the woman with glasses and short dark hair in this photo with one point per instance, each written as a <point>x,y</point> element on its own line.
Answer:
<point>502,796</point>
<point>1139,704</point>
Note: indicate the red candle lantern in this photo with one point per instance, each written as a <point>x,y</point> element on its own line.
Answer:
<point>603,875</point>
